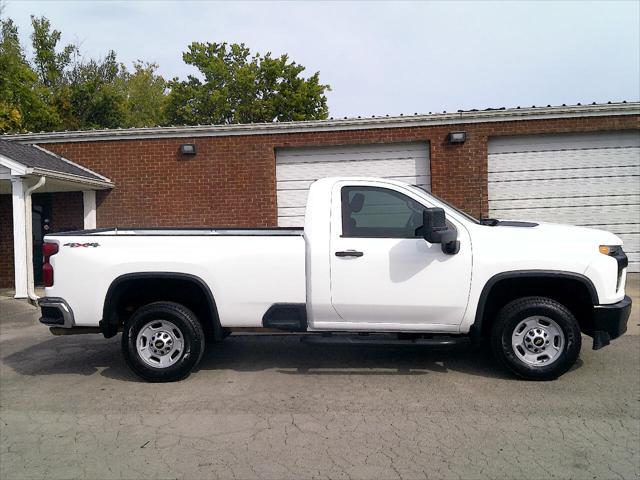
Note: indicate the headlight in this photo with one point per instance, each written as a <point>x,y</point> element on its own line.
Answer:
<point>619,256</point>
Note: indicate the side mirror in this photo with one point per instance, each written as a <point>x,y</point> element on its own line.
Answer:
<point>435,230</point>
<point>433,224</point>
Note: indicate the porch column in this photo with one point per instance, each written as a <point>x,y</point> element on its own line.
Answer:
<point>18,188</point>
<point>89,202</point>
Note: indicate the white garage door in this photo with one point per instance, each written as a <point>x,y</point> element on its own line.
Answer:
<point>591,180</point>
<point>297,168</point>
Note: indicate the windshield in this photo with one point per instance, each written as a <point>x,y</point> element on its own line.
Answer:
<point>457,210</point>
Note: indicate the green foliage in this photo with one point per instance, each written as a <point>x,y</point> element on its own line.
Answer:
<point>49,64</point>
<point>95,97</point>
<point>146,95</point>
<point>22,98</point>
<point>237,87</point>
<point>57,89</point>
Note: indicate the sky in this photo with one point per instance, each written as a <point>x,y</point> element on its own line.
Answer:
<point>384,57</point>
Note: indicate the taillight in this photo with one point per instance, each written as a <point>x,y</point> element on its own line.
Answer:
<point>48,250</point>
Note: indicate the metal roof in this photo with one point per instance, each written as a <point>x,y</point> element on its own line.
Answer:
<point>44,161</point>
<point>431,119</point>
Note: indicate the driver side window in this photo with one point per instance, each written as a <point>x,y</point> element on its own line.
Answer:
<point>375,212</point>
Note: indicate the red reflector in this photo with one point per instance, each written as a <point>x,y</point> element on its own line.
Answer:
<point>48,249</point>
<point>47,275</point>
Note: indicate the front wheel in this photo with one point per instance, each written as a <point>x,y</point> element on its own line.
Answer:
<point>162,342</point>
<point>537,338</point>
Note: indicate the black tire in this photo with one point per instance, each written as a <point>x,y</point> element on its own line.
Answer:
<point>512,315</point>
<point>189,332</point>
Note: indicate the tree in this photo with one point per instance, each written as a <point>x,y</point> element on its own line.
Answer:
<point>49,63</point>
<point>22,104</point>
<point>145,95</point>
<point>237,87</point>
<point>96,98</point>
<point>52,67</point>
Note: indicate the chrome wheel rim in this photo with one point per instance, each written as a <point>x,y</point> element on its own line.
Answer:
<point>538,341</point>
<point>160,343</point>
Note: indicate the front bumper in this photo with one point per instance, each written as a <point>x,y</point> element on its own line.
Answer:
<point>610,321</point>
<point>56,312</point>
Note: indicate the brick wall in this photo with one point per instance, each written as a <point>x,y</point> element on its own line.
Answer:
<point>231,181</point>
<point>6,241</point>
<point>67,211</point>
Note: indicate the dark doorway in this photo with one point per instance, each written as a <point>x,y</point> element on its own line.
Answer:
<point>41,221</point>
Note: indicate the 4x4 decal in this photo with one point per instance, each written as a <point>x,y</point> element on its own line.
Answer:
<point>75,245</point>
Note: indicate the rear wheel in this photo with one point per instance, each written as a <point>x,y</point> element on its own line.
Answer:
<point>537,338</point>
<point>163,342</point>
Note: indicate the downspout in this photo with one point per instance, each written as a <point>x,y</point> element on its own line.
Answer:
<point>31,293</point>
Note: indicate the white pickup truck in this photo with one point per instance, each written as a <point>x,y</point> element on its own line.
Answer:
<point>378,261</point>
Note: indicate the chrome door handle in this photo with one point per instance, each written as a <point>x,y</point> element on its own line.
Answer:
<point>349,253</point>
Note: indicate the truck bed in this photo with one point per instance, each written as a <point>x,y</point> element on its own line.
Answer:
<point>247,270</point>
<point>187,231</point>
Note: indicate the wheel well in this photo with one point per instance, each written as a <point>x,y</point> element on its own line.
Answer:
<point>130,292</point>
<point>574,292</point>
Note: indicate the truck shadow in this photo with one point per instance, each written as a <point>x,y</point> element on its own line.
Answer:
<point>72,355</point>
<point>87,355</point>
<point>288,356</point>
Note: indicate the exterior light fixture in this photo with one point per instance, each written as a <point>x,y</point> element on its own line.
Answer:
<point>188,149</point>
<point>457,137</point>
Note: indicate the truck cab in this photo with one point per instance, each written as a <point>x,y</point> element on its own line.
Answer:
<point>378,271</point>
